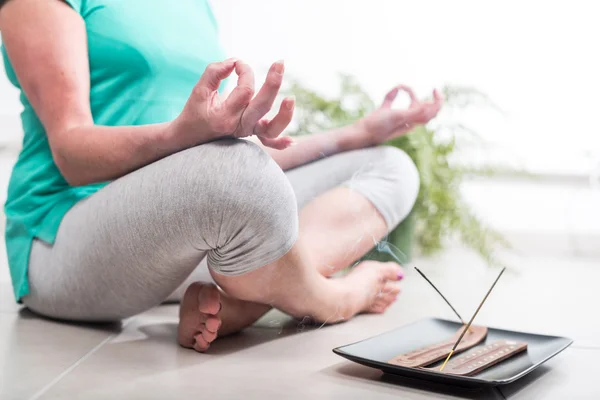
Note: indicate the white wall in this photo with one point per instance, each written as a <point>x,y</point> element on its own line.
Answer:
<point>536,59</point>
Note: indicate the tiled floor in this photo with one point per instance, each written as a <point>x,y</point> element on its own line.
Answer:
<point>279,357</point>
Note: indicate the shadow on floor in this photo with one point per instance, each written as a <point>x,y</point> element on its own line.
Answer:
<point>255,335</point>
<point>114,327</point>
<point>274,326</point>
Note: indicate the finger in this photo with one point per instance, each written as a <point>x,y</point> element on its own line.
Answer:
<point>390,97</point>
<point>261,127</point>
<point>414,101</point>
<point>278,124</point>
<point>214,74</point>
<point>437,102</point>
<point>241,95</point>
<point>392,94</point>
<point>430,110</point>
<point>280,143</point>
<point>262,103</point>
<point>437,97</point>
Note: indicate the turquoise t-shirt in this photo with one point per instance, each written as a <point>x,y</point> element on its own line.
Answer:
<point>145,56</point>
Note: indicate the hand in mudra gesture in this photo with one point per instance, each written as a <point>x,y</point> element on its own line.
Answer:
<point>386,123</point>
<point>241,114</point>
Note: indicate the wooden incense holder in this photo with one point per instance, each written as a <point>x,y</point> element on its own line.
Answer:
<point>476,360</point>
<point>436,352</point>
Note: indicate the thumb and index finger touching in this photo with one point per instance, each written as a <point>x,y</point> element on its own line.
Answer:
<point>250,109</point>
<point>419,112</point>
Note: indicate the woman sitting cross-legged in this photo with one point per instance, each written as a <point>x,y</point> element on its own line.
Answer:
<point>135,168</point>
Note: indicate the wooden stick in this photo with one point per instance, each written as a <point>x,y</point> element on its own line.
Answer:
<point>471,321</point>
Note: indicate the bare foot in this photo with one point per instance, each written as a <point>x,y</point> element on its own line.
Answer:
<point>374,285</point>
<point>206,312</point>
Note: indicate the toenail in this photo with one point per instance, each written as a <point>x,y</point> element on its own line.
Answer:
<point>400,275</point>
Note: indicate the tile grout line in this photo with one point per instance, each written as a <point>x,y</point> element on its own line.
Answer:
<point>67,371</point>
<point>43,390</point>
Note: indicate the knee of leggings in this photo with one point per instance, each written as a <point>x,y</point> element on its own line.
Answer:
<point>391,182</point>
<point>259,208</point>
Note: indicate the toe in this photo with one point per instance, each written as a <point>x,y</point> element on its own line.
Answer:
<point>392,271</point>
<point>209,300</point>
<point>391,288</point>
<point>377,308</point>
<point>212,324</point>
<point>209,336</point>
<point>386,298</point>
<point>382,304</point>
<point>200,344</point>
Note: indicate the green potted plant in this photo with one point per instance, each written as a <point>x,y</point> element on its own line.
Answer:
<point>440,212</point>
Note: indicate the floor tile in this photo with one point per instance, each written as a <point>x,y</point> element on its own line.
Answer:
<point>7,300</point>
<point>34,351</point>
<point>290,359</point>
<point>570,375</point>
<point>278,357</point>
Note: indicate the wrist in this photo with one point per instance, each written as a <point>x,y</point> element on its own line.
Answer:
<point>172,137</point>
<point>179,135</point>
<point>352,137</point>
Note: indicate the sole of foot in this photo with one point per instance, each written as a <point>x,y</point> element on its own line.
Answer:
<point>199,319</point>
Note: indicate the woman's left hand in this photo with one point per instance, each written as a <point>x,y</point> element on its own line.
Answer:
<point>386,123</point>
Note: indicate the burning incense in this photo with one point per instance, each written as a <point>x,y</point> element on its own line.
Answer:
<point>471,321</point>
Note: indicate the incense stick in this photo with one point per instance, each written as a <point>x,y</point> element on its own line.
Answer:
<point>440,293</point>
<point>471,321</point>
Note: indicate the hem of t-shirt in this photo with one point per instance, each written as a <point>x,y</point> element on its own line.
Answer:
<point>46,231</point>
<point>23,289</point>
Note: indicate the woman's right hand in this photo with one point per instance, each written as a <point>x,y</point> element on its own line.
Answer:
<point>206,116</point>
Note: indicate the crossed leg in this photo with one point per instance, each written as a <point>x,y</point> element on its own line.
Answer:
<point>338,225</point>
<point>127,247</point>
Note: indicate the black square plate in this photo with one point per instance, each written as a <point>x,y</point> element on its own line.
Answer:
<point>376,351</point>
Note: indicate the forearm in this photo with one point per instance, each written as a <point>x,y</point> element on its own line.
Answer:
<point>311,147</point>
<point>91,154</point>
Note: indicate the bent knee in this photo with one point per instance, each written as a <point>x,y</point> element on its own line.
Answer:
<point>254,209</point>
<point>390,180</point>
<point>236,177</point>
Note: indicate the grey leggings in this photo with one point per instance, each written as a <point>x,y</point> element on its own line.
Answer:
<point>137,241</point>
